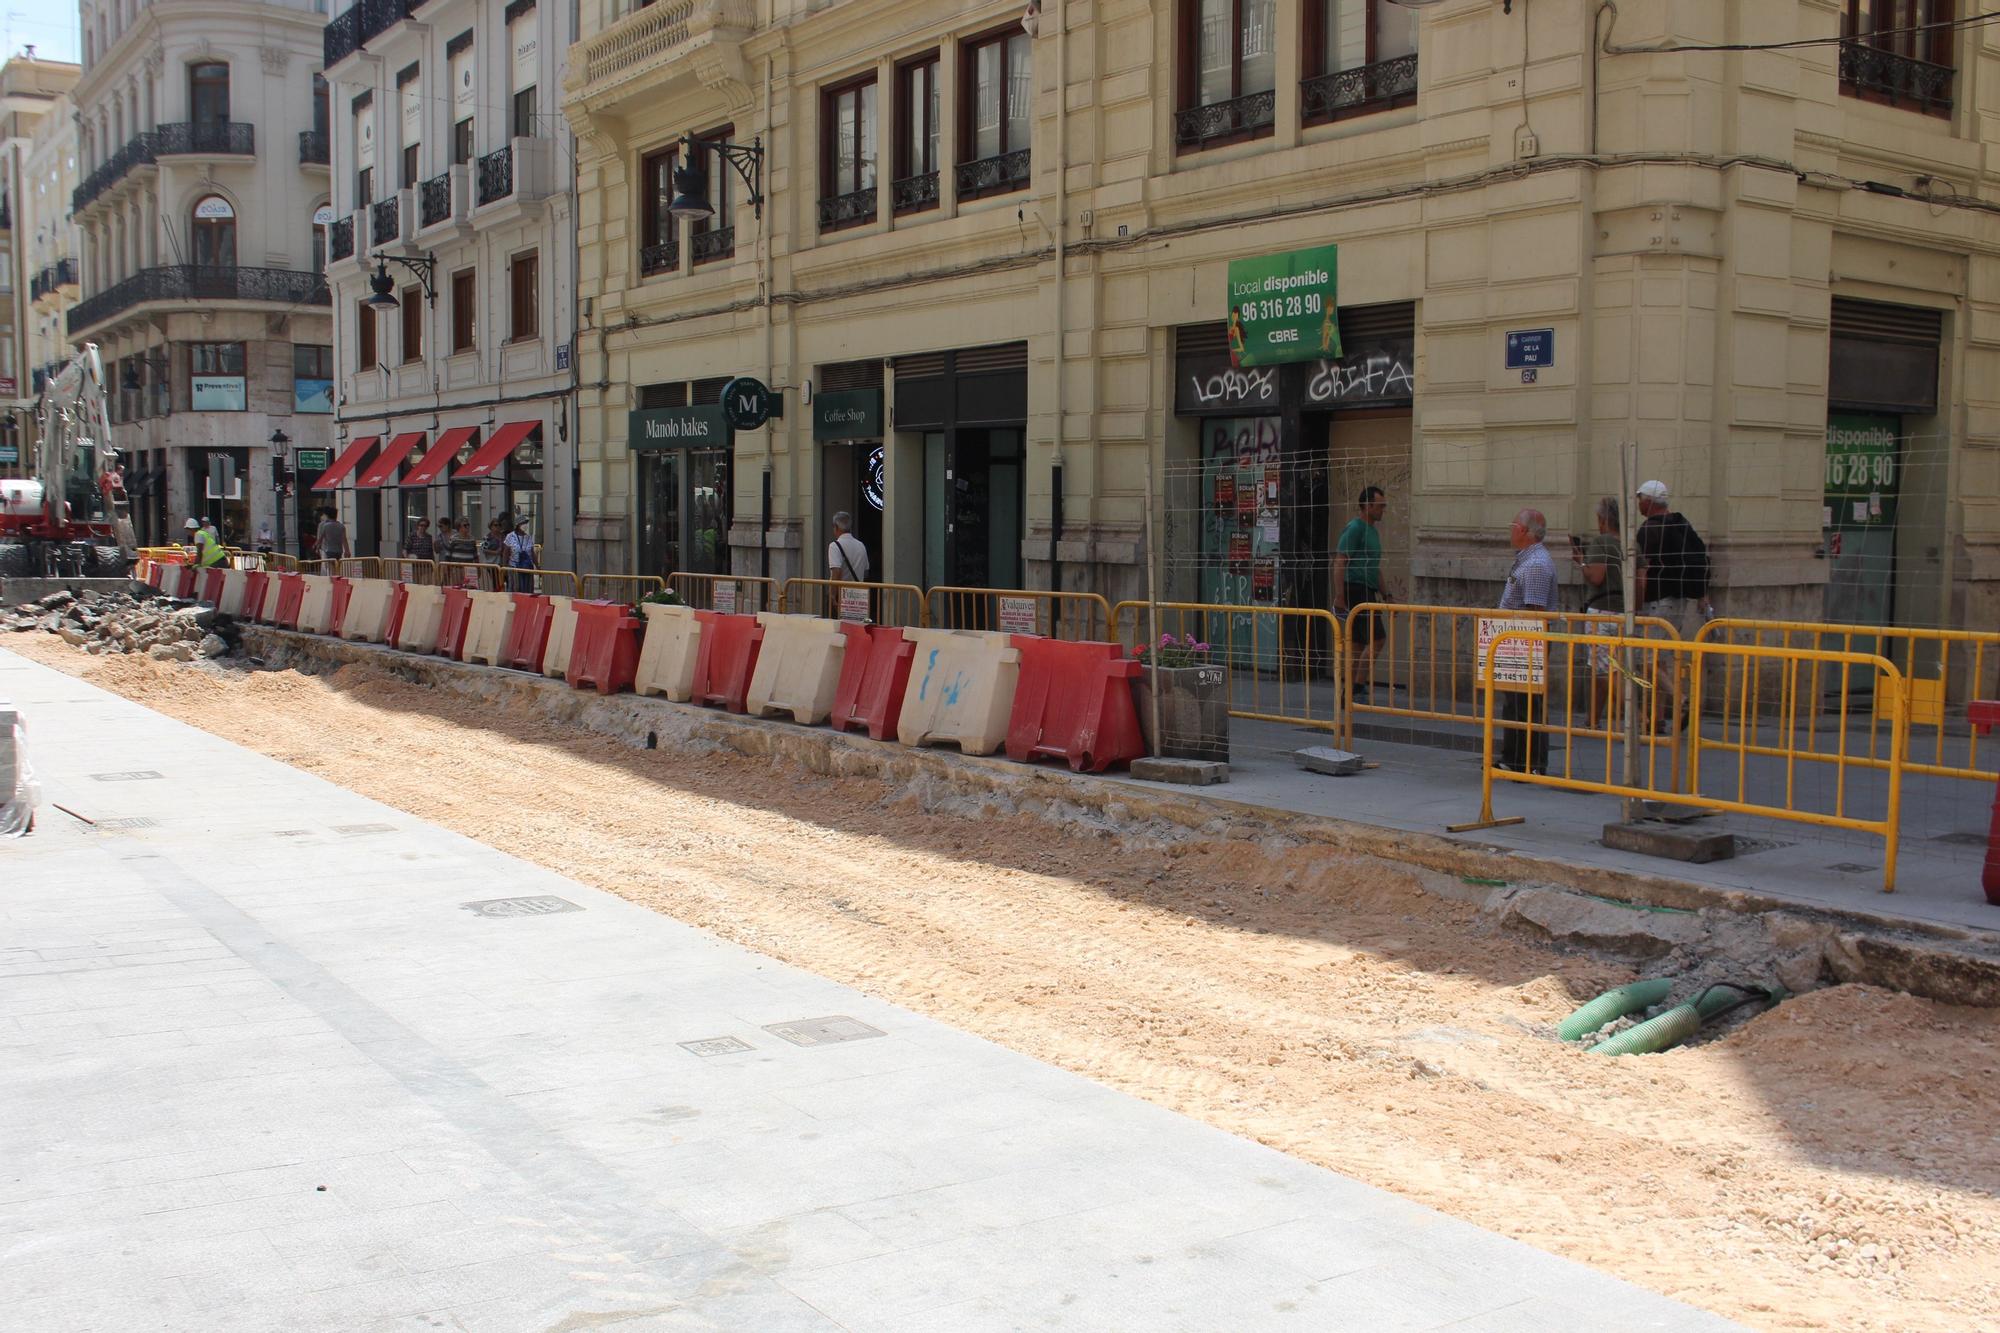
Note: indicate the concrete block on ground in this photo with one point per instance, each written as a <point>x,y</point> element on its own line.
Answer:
<point>1326,759</point>
<point>1670,840</point>
<point>1186,772</point>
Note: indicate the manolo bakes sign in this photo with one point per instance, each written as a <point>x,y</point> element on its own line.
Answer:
<point>702,427</point>
<point>1282,308</point>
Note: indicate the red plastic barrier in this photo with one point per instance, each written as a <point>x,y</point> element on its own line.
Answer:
<point>291,597</point>
<point>154,573</point>
<point>399,601</point>
<point>528,632</point>
<point>605,653</point>
<point>1074,703</point>
<point>874,672</point>
<point>255,585</point>
<point>452,622</point>
<point>1985,716</point>
<point>727,656</point>
<point>211,585</point>
<point>343,593</point>
<point>185,583</point>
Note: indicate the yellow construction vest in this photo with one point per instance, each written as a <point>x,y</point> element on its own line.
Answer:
<point>211,551</point>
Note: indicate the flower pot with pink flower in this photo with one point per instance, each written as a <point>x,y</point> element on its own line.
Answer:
<point>1194,699</point>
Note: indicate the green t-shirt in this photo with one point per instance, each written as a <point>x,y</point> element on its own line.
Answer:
<point>1603,550</point>
<point>1362,545</point>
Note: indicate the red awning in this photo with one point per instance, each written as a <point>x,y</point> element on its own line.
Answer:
<point>431,464</point>
<point>385,466</point>
<point>346,463</point>
<point>487,459</point>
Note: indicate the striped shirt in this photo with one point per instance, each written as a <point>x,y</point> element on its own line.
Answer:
<point>1532,582</point>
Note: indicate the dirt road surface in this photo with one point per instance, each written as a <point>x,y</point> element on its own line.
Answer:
<point>1829,1165</point>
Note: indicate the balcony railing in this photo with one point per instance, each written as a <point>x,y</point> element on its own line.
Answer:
<point>853,209</point>
<point>66,273</point>
<point>1883,76</point>
<point>657,259</point>
<point>365,20</point>
<point>914,194</point>
<point>313,150</point>
<point>993,175</point>
<point>715,243</point>
<point>137,152</point>
<point>1221,122</point>
<point>385,222</point>
<point>203,283</point>
<point>434,200</point>
<point>41,284</point>
<point>496,175</point>
<point>1365,88</point>
<point>340,239</point>
<point>223,138</point>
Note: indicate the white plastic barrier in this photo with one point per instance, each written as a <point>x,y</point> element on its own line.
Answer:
<point>562,634</point>
<point>486,629</point>
<point>273,585</point>
<point>233,582</point>
<point>423,614</point>
<point>961,689</point>
<point>316,608</point>
<point>667,657</point>
<point>19,792</point>
<point>368,607</point>
<point>798,667</point>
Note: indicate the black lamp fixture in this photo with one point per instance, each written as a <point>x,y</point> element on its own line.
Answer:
<point>690,199</point>
<point>384,286</point>
<point>279,439</point>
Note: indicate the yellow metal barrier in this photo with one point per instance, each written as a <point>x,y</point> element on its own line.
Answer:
<point>839,599</point>
<point>1431,652</point>
<point>478,576</point>
<point>1284,662</point>
<point>409,571</point>
<point>1076,616</point>
<point>1769,790</point>
<point>1962,665</point>
<point>739,594</point>
<point>618,587</point>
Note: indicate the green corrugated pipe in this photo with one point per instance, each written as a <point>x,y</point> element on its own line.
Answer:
<point>1684,1020</point>
<point>1614,1004</point>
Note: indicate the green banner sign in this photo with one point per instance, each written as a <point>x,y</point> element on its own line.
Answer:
<point>314,460</point>
<point>1861,470</point>
<point>848,414</point>
<point>1282,308</point>
<point>705,427</point>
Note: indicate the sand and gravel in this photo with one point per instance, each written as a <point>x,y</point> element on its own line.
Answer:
<point>1829,1165</point>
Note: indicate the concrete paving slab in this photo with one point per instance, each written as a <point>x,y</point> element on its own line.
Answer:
<point>262,1082</point>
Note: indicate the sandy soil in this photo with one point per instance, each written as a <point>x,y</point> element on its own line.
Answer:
<point>1830,1165</point>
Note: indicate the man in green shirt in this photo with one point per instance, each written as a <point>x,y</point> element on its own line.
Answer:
<point>1357,578</point>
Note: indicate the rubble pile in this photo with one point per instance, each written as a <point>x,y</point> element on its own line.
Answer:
<point>163,628</point>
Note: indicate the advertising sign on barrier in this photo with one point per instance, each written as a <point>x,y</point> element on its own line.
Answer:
<point>1522,664</point>
<point>1017,615</point>
<point>854,604</point>
<point>725,596</point>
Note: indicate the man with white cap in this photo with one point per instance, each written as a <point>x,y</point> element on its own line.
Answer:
<point>1671,581</point>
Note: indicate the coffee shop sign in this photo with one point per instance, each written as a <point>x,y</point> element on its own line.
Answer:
<point>1371,377</point>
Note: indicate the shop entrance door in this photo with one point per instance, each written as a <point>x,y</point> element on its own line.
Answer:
<point>1862,474</point>
<point>973,496</point>
<point>684,505</point>
<point>1241,533</point>
<point>851,479</point>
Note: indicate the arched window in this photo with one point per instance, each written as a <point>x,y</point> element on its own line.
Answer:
<point>214,229</point>
<point>208,93</point>
<point>321,220</point>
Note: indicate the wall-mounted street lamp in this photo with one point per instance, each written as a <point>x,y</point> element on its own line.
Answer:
<point>384,286</point>
<point>690,199</point>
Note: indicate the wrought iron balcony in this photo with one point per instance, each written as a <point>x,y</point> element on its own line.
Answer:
<point>313,149</point>
<point>1883,76</point>
<point>657,259</point>
<point>66,275</point>
<point>434,200</point>
<point>1238,118</point>
<point>201,283</point>
<point>715,243</point>
<point>385,220</point>
<point>914,194</point>
<point>1365,88</point>
<point>223,138</point>
<point>355,27</point>
<point>41,284</point>
<point>853,209</point>
<point>137,152</point>
<point>340,239</point>
<point>993,175</point>
<point>496,175</point>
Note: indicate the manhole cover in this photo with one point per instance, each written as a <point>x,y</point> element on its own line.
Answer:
<point>362,830</point>
<point>129,821</point>
<point>1962,839</point>
<point>823,1031</point>
<point>138,775</point>
<point>543,906</point>
<point>716,1046</point>
<point>1745,846</point>
<point>1854,868</point>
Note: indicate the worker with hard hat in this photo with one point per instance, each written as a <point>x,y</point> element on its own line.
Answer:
<point>204,547</point>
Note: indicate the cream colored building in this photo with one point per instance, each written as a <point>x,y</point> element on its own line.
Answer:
<point>49,238</point>
<point>37,249</point>
<point>199,179</point>
<point>453,185</point>
<point>1553,237</point>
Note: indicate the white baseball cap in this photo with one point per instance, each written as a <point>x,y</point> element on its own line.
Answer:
<point>1653,490</point>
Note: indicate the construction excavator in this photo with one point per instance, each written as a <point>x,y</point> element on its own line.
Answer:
<point>70,517</point>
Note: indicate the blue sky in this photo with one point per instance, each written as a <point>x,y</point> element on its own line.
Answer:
<point>52,28</point>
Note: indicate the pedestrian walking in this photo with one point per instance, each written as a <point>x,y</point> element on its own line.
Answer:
<point>520,545</point>
<point>493,551</point>
<point>846,554</point>
<point>462,550</point>
<point>1531,586</point>
<point>419,545</point>
<point>1670,581</point>
<point>1601,560</point>
<point>1357,580</point>
<point>331,541</point>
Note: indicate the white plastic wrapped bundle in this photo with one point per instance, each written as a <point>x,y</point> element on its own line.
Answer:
<point>19,793</point>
